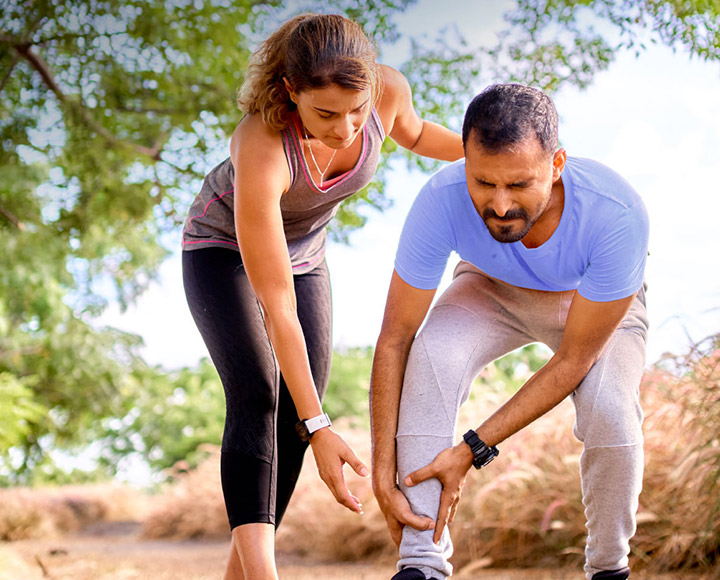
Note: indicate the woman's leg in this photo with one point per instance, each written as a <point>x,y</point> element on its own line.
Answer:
<point>261,454</point>
<point>230,321</point>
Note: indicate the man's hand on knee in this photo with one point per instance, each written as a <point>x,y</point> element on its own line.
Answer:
<point>450,467</point>
<point>398,513</point>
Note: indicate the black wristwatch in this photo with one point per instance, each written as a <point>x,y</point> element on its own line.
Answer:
<point>482,454</point>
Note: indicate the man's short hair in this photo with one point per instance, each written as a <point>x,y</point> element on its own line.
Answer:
<point>503,115</point>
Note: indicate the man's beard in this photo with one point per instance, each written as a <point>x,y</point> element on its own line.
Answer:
<point>506,234</point>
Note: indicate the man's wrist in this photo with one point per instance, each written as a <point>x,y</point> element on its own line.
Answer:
<point>384,479</point>
<point>482,453</point>
<point>466,454</point>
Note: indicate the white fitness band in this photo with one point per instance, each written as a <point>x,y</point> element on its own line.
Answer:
<point>317,423</point>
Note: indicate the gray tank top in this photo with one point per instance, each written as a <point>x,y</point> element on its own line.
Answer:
<point>306,208</point>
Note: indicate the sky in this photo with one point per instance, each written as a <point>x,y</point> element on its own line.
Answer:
<point>653,118</point>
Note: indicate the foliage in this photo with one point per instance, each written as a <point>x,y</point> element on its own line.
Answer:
<point>110,113</point>
<point>349,384</point>
<point>172,416</point>
<point>509,373</point>
<point>17,410</point>
<point>553,43</point>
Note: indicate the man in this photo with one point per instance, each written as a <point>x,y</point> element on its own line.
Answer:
<point>553,250</point>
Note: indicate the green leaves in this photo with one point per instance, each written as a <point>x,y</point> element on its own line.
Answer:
<point>18,410</point>
<point>111,112</point>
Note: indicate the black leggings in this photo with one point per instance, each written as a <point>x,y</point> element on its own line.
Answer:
<point>261,452</point>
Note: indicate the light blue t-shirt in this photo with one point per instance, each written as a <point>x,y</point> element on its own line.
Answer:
<point>598,248</point>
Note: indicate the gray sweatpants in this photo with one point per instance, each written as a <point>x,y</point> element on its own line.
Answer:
<point>479,319</point>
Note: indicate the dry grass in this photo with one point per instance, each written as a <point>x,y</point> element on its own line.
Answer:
<point>53,511</point>
<point>192,505</point>
<point>681,499</point>
<point>525,510</point>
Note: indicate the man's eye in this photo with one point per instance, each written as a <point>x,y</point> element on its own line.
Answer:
<point>324,116</point>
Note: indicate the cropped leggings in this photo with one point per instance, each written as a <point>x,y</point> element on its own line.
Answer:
<point>261,452</point>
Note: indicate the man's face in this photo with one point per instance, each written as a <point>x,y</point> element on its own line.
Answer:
<point>512,189</point>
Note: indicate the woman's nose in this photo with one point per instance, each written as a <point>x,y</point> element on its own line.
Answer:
<point>344,129</point>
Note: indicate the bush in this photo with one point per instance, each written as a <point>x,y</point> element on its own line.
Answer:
<point>52,511</point>
<point>190,505</point>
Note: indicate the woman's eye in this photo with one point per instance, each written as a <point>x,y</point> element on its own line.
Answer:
<point>324,116</point>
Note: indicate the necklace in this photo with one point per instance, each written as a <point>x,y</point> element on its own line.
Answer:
<point>312,155</point>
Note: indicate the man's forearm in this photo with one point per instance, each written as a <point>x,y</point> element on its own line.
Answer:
<point>543,391</point>
<point>385,388</point>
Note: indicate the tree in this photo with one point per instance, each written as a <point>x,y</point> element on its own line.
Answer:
<point>110,113</point>
<point>553,43</point>
<point>112,110</point>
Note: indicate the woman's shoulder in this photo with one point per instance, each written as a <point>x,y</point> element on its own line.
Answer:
<point>258,156</point>
<point>395,99</point>
<point>253,131</point>
<point>253,139</point>
<point>395,86</point>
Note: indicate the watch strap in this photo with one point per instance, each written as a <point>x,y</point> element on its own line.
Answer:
<point>317,423</point>
<point>307,427</point>
<point>482,453</point>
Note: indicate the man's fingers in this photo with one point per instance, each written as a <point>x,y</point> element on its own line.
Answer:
<point>395,528</point>
<point>418,522</point>
<point>446,503</point>
<point>453,510</point>
<point>420,475</point>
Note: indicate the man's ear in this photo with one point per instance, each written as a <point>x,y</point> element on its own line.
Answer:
<point>559,160</point>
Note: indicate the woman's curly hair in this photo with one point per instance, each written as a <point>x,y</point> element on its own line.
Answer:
<point>311,51</point>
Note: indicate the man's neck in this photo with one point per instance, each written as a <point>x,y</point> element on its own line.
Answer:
<point>545,227</point>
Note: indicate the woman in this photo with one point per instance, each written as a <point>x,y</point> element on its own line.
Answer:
<point>317,110</point>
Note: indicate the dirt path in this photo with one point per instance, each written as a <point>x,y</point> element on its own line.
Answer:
<point>117,552</point>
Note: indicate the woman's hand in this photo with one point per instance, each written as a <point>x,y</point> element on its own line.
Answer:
<point>331,453</point>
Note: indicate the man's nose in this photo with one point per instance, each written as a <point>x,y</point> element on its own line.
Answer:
<point>501,202</point>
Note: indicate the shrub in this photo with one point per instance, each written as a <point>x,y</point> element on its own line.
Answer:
<point>48,512</point>
<point>526,509</point>
<point>190,505</point>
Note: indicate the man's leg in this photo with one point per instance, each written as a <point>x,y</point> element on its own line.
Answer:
<point>609,423</point>
<point>465,331</point>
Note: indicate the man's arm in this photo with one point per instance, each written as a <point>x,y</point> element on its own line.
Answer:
<point>405,310</point>
<point>587,330</point>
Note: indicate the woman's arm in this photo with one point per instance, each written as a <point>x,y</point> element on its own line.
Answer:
<point>261,178</point>
<point>407,129</point>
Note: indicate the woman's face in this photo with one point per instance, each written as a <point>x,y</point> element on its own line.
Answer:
<point>334,114</point>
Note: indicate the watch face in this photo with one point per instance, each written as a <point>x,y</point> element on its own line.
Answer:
<point>302,430</point>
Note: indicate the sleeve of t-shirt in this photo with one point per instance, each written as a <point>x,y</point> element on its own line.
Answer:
<point>617,260</point>
<point>426,241</point>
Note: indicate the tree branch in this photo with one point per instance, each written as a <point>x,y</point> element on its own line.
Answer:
<point>41,67</point>
<point>6,78</point>
<point>12,219</point>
